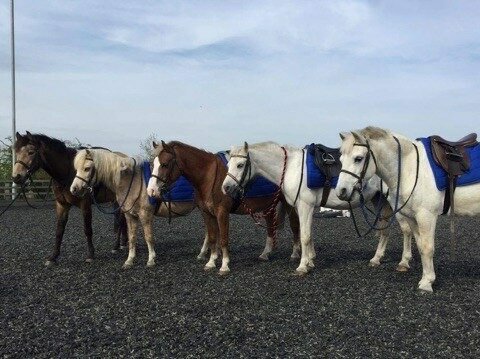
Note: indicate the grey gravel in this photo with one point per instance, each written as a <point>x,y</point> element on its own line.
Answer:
<point>343,309</point>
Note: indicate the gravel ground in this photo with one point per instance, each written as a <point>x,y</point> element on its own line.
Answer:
<point>342,309</point>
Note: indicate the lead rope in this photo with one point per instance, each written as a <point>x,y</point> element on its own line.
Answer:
<point>273,207</point>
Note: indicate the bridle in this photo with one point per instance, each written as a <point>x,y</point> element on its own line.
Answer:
<point>34,165</point>
<point>88,181</point>
<point>170,165</point>
<point>246,174</point>
<point>361,177</point>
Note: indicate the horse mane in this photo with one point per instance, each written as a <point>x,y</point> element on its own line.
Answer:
<point>156,151</point>
<point>374,133</point>
<point>53,143</point>
<point>108,165</point>
<point>267,145</point>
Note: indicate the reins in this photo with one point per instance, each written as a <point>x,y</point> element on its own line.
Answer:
<point>359,186</point>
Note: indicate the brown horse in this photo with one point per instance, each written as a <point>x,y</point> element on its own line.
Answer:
<point>206,172</point>
<point>39,151</point>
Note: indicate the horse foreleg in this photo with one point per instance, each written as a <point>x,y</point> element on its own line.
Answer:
<point>62,218</point>
<point>404,264</point>
<point>132,223</point>
<point>123,231</point>
<point>87,228</point>
<point>385,213</point>
<point>147,218</point>
<point>116,228</point>
<point>223,226</point>
<point>295,227</point>
<point>305,214</point>
<point>425,238</point>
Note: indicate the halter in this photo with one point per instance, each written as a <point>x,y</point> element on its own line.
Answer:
<point>247,171</point>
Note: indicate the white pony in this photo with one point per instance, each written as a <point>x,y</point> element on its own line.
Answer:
<point>123,176</point>
<point>266,159</point>
<point>419,199</point>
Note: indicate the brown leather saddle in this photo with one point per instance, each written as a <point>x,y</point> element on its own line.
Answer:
<point>328,161</point>
<point>453,158</point>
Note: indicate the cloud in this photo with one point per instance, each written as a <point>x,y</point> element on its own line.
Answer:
<point>216,73</point>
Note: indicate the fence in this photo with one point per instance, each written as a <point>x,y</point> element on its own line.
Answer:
<point>40,189</point>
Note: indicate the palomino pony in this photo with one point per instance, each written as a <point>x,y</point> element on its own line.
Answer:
<point>39,151</point>
<point>283,166</point>
<point>123,176</point>
<point>414,194</point>
<point>206,172</point>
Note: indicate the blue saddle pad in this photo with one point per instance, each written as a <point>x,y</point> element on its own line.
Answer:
<point>315,177</point>
<point>470,177</point>
<point>260,186</point>
<point>180,191</point>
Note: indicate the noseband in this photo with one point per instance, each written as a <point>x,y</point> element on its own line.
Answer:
<point>247,172</point>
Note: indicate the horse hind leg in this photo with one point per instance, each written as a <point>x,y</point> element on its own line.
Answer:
<point>203,252</point>
<point>270,220</point>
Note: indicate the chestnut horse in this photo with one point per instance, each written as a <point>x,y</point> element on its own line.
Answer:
<point>39,151</point>
<point>206,172</point>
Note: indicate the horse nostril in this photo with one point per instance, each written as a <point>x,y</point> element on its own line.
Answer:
<point>227,188</point>
<point>343,192</point>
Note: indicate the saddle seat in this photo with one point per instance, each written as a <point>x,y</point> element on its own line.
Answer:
<point>454,159</point>
<point>466,141</point>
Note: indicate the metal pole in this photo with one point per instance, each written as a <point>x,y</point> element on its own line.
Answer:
<point>14,125</point>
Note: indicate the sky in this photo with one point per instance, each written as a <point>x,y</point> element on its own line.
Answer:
<point>217,73</point>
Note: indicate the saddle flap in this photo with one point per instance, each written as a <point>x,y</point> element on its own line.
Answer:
<point>453,159</point>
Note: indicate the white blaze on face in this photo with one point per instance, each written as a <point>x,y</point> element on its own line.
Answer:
<point>153,189</point>
<point>25,155</point>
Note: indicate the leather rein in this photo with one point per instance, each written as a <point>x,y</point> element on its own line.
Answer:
<point>359,186</point>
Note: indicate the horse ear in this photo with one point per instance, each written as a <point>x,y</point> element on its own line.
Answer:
<point>87,151</point>
<point>358,137</point>
<point>154,144</point>
<point>343,135</point>
<point>18,136</point>
<point>245,146</point>
<point>166,147</point>
<point>29,136</point>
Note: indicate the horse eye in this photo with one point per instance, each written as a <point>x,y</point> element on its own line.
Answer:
<point>240,165</point>
<point>87,169</point>
<point>31,153</point>
<point>163,165</point>
<point>358,159</point>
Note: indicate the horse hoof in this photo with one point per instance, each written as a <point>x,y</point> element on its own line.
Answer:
<point>50,263</point>
<point>208,268</point>
<point>373,264</point>
<point>300,273</point>
<point>150,264</point>
<point>224,272</point>
<point>426,288</point>
<point>127,265</point>
<point>401,268</point>
<point>123,247</point>
<point>263,257</point>
<point>89,260</point>
<point>293,259</point>
<point>201,257</point>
